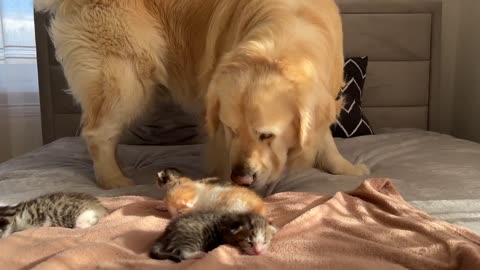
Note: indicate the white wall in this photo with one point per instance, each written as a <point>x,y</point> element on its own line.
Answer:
<point>461,65</point>
<point>466,110</point>
<point>449,53</point>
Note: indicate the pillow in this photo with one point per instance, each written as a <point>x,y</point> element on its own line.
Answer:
<point>351,121</point>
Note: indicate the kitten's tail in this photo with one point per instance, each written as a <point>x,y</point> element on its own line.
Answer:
<point>158,254</point>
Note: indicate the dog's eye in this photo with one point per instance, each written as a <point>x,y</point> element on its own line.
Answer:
<point>265,136</point>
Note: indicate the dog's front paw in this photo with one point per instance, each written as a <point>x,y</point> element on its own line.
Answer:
<point>360,170</point>
<point>115,182</point>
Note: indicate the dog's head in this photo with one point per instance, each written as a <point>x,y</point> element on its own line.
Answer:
<point>266,111</point>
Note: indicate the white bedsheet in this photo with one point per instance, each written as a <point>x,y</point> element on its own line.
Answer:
<point>436,173</point>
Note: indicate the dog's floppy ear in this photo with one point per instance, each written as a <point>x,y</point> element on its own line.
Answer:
<point>212,114</point>
<point>221,79</point>
<point>315,106</point>
<point>306,118</point>
<point>302,74</point>
<point>317,111</point>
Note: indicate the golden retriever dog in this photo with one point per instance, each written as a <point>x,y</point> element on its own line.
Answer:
<point>264,73</point>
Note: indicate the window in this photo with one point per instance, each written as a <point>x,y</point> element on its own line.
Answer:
<point>19,97</point>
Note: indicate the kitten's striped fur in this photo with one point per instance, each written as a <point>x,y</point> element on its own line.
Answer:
<point>191,235</point>
<point>61,209</point>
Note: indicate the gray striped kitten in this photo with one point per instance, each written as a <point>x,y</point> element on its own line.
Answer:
<point>191,235</point>
<point>62,209</point>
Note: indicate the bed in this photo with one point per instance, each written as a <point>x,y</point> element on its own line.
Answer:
<point>403,100</point>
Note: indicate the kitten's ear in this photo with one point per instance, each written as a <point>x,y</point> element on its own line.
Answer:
<point>161,178</point>
<point>272,227</point>
<point>236,227</point>
<point>168,174</point>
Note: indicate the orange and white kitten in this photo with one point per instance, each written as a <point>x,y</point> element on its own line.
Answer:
<point>184,194</point>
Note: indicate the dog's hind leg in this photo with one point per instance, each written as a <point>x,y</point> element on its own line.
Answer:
<point>111,100</point>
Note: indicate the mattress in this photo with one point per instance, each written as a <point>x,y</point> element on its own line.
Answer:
<point>437,173</point>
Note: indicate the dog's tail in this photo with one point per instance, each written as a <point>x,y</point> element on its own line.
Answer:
<point>47,6</point>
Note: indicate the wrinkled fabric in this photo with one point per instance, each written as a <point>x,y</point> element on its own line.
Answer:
<point>437,173</point>
<point>371,227</point>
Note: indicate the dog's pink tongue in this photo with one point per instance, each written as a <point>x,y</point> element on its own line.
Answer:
<point>242,180</point>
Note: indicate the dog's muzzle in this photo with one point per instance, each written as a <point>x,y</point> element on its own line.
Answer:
<point>243,175</point>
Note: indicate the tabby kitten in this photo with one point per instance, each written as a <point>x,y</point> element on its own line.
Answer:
<point>69,210</point>
<point>191,235</point>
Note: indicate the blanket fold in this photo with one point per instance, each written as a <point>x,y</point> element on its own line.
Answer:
<point>371,227</point>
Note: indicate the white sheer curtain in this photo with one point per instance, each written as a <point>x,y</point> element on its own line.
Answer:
<point>19,99</point>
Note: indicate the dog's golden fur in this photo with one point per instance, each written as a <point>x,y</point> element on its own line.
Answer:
<point>265,73</point>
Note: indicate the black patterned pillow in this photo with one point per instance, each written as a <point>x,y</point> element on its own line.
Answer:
<point>352,122</point>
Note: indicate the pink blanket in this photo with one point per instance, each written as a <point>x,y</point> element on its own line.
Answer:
<point>371,227</point>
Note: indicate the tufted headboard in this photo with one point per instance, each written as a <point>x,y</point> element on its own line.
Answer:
<point>400,37</point>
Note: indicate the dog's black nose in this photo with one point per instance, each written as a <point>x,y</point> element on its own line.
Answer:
<point>242,175</point>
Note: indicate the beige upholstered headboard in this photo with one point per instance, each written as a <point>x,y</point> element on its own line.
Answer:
<point>400,37</point>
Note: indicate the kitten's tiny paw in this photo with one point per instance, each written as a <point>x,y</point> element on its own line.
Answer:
<point>183,211</point>
<point>187,204</point>
<point>86,219</point>
<point>161,207</point>
<point>199,255</point>
<point>194,255</point>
